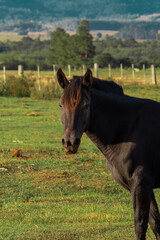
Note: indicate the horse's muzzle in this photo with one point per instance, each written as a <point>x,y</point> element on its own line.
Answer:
<point>71,147</point>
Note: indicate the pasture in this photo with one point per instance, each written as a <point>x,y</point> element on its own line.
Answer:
<point>45,194</point>
<point>138,77</point>
<point>13,36</point>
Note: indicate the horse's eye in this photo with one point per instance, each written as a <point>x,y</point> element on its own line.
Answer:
<point>60,105</point>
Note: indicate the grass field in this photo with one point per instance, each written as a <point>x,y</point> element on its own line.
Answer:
<point>13,36</point>
<point>47,195</point>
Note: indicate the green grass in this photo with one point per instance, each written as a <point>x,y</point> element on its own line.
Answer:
<point>47,195</point>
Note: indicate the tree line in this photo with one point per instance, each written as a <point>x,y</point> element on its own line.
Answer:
<point>78,49</point>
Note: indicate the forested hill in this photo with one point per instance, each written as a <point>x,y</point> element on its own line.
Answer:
<point>91,9</point>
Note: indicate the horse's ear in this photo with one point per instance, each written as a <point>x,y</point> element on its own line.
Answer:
<point>62,80</point>
<point>88,78</point>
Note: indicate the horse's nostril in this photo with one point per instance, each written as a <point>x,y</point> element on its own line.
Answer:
<point>69,144</point>
<point>77,142</point>
<point>63,142</point>
<point>66,143</point>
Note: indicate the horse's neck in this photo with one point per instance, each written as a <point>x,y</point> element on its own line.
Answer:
<point>109,151</point>
<point>105,116</point>
<point>106,128</point>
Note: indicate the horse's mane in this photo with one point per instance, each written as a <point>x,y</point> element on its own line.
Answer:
<point>73,92</point>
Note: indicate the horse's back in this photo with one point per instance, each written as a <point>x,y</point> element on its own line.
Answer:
<point>107,86</point>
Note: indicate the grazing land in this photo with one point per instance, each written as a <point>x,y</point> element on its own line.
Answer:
<point>128,78</point>
<point>45,194</point>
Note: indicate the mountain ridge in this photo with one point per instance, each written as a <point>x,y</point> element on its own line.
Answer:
<point>128,17</point>
<point>39,10</point>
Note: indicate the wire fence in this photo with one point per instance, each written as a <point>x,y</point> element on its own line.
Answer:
<point>121,75</point>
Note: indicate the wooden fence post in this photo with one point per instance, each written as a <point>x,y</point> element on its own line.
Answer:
<point>109,69</point>
<point>69,70</point>
<point>39,84</point>
<point>133,73</point>
<point>4,75</point>
<point>20,70</point>
<point>96,70</point>
<point>122,78</point>
<point>144,73</point>
<point>84,69</point>
<point>153,72</point>
<point>54,69</point>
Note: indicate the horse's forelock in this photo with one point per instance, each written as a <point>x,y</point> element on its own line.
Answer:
<point>73,94</point>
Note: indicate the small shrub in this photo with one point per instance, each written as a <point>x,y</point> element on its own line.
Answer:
<point>26,86</point>
<point>49,91</point>
<point>16,87</point>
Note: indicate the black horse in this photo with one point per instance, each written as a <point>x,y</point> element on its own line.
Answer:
<point>127,131</point>
<point>106,86</point>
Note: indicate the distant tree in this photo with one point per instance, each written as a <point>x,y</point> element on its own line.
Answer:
<point>111,41</point>
<point>75,50</point>
<point>126,61</point>
<point>144,62</point>
<point>104,59</point>
<point>26,43</point>
<point>11,60</point>
<point>59,47</point>
<point>99,35</point>
<point>99,46</point>
<point>130,42</point>
<point>85,47</point>
<point>3,47</point>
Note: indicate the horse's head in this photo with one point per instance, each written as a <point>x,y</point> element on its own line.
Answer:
<point>75,108</point>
